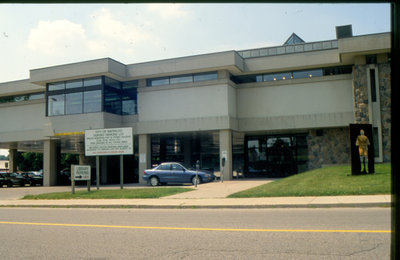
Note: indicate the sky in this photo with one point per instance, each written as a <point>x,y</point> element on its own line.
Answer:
<point>34,36</point>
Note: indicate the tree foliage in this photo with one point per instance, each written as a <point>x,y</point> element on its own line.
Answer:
<point>28,161</point>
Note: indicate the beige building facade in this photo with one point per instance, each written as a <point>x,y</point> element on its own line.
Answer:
<point>271,112</point>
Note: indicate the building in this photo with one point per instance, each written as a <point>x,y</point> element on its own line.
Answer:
<point>271,111</point>
<point>4,165</point>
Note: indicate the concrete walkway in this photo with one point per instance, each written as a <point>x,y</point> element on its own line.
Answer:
<point>207,195</point>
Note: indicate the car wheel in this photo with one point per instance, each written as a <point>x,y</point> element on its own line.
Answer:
<point>154,181</point>
<point>196,180</point>
<point>9,184</point>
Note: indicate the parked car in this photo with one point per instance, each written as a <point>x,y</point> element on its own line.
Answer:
<point>33,178</point>
<point>65,176</point>
<point>171,172</point>
<point>3,179</point>
<point>15,179</point>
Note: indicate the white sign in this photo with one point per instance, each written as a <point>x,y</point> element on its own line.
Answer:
<point>81,172</point>
<point>111,141</point>
<point>224,154</point>
<point>142,158</point>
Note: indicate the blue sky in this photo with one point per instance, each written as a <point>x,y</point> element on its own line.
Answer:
<point>43,35</point>
<point>36,36</point>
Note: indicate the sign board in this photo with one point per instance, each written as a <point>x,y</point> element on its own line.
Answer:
<point>111,141</point>
<point>81,172</point>
<point>224,154</point>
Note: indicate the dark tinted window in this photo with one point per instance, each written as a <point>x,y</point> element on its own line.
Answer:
<point>164,167</point>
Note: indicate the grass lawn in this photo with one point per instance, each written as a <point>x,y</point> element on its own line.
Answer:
<point>331,181</point>
<point>140,193</point>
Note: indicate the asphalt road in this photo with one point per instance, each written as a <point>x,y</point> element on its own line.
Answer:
<point>341,233</point>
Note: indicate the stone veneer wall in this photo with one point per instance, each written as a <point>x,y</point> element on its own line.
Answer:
<point>360,94</point>
<point>332,147</point>
<point>360,99</point>
<point>385,101</point>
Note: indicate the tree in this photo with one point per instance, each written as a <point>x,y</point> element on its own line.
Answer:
<point>67,159</point>
<point>28,161</point>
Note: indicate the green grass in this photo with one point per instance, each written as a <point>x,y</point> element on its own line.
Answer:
<point>140,193</point>
<point>332,181</point>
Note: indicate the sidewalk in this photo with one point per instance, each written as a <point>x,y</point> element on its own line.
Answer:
<point>208,195</point>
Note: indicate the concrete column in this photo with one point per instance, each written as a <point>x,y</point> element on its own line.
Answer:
<point>51,155</point>
<point>144,155</point>
<point>225,146</point>
<point>12,159</point>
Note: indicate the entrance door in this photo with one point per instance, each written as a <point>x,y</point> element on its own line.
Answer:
<point>275,155</point>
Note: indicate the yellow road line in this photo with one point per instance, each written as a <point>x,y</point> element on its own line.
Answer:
<point>198,229</point>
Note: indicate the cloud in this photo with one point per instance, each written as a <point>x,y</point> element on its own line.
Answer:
<point>104,36</point>
<point>168,11</point>
<point>105,25</point>
<point>54,37</point>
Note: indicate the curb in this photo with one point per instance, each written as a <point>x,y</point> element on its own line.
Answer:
<point>107,206</point>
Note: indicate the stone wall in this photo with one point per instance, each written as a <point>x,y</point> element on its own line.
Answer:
<point>328,146</point>
<point>360,94</point>
<point>360,99</point>
<point>385,102</point>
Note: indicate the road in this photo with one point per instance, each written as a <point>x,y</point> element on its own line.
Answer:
<point>334,233</point>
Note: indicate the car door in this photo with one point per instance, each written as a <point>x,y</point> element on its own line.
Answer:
<point>164,173</point>
<point>179,173</point>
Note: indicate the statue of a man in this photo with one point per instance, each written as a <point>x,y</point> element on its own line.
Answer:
<point>363,142</point>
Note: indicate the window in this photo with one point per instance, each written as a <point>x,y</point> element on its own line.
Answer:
<point>36,96</point>
<point>20,98</point>
<point>205,76</point>
<point>112,83</point>
<point>92,101</point>
<point>90,95</point>
<point>92,82</point>
<point>282,76</point>
<point>112,100</point>
<point>276,155</point>
<point>371,59</point>
<point>56,86</point>
<point>73,84</point>
<point>176,167</point>
<point>129,98</point>
<point>292,74</point>
<point>182,79</point>
<point>158,82</point>
<point>373,84</point>
<point>268,77</point>
<point>307,73</point>
<point>56,105</point>
<point>73,103</point>
<point>164,167</point>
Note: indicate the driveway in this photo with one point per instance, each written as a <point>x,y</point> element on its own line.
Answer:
<point>217,189</point>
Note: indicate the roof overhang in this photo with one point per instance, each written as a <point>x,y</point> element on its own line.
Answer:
<point>106,66</point>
